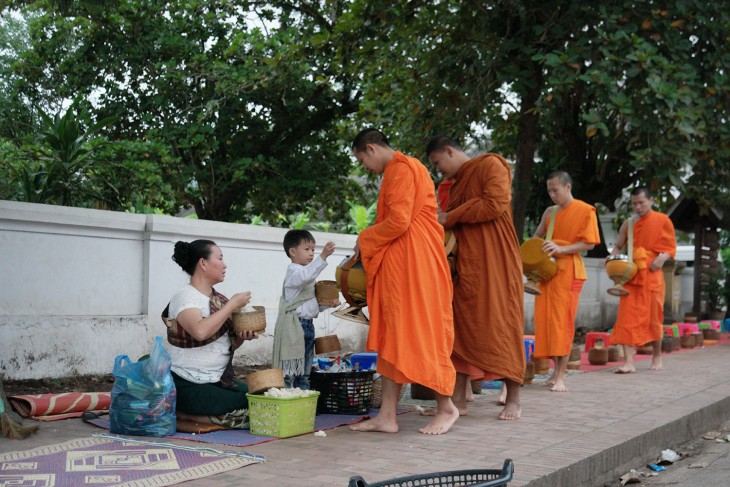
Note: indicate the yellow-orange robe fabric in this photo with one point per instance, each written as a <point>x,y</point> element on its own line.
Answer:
<point>641,313</point>
<point>555,309</point>
<point>488,293</point>
<point>409,288</point>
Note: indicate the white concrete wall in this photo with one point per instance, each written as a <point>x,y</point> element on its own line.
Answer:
<point>79,286</point>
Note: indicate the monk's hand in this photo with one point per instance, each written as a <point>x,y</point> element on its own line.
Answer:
<point>551,248</point>
<point>442,217</point>
<point>658,262</point>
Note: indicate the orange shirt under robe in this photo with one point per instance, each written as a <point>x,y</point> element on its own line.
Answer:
<point>488,294</point>
<point>641,313</point>
<point>555,309</point>
<point>409,289</point>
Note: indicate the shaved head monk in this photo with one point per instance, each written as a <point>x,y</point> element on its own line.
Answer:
<point>641,313</point>
<point>488,291</point>
<point>574,230</point>
<point>409,287</point>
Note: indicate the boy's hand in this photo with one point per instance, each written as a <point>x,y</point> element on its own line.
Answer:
<point>329,247</point>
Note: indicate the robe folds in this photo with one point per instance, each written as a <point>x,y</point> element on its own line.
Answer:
<point>641,313</point>
<point>488,293</point>
<point>409,288</point>
<point>555,309</point>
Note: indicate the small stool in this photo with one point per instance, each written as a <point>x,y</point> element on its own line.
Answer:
<point>671,330</point>
<point>715,324</point>
<point>529,347</point>
<point>687,328</point>
<point>726,325</point>
<point>592,336</point>
<point>704,325</point>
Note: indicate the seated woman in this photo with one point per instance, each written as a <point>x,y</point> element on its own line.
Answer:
<point>200,330</point>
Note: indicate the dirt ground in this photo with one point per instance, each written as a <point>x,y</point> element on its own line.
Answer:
<point>79,383</point>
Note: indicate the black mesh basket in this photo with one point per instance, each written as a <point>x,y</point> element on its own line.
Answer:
<point>455,478</point>
<point>343,392</point>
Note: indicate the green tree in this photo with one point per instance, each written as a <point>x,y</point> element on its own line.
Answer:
<point>252,111</point>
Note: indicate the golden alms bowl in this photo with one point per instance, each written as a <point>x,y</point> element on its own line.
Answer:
<point>620,270</point>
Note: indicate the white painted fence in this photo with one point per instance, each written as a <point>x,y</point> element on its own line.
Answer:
<point>81,286</point>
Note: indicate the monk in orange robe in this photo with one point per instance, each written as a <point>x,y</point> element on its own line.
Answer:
<point>641,313</point>
<point>488,293</point>
<point>575,230</point>
<point>409,288</point>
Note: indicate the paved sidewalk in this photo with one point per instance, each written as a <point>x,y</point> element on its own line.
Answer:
<point>605,425</point>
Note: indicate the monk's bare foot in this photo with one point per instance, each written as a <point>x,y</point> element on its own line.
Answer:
<point>469,393</point>
<point>511,411</point>
<point>503,396</point>
<point>376,424</point>
<point>559,386</point>
<point>551,380</point>
<point>463,411</point>
<point>625,369</point>
<point>656,364</point>
<point>442,421</point>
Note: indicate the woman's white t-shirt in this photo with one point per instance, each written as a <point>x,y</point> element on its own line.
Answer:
<point>204,364</point>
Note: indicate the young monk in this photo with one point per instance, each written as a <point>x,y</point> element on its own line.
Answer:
<point>575,230</point>
<point>409,287</point>
<point>488,294</point>
<point>641,313</point>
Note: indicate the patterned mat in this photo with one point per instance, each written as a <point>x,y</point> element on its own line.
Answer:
<point>52,407</point>
<point>245,438</point>
<point>105,462</point>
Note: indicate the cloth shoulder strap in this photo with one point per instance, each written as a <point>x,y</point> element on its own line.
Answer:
<point>632,220</point>
<point>551,226</point>
<point>178,337</point>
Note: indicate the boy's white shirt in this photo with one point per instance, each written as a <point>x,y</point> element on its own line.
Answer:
<point>298,276</point>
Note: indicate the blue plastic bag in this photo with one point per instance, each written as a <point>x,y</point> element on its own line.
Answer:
<point>143,395</point>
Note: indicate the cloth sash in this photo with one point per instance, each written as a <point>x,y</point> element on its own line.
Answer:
<point>288,352</point>
<point>178,337</point>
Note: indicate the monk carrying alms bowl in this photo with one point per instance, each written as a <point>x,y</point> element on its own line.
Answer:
<point>620,270</point>
<point>537,266</point>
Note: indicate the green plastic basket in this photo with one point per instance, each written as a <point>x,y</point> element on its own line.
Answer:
<point>281,417</point>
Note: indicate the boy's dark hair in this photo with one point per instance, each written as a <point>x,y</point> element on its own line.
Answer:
<point>294,237</point>
<point>369,136</point>
<point>440,142</point>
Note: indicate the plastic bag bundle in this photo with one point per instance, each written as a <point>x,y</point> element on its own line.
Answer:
<point>143,395</point>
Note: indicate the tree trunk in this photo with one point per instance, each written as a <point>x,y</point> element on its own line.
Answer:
<point>526,144</point>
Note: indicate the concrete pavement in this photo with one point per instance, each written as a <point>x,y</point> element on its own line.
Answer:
<point>605,425</point>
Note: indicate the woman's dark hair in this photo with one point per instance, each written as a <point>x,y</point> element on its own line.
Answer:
<point>187,254</point>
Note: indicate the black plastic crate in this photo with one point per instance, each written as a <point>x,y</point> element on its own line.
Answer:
<point>455,478</point>
<point>343,392</point>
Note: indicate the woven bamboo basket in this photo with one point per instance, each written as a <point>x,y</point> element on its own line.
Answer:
<point>326,291</point>
<point>327,344</point>
<point>542,365</point>
<point>574,358</point>
<point>249,320</point>
<point>529,373</point>
<point>645,350</point>
<point>264,380</point>
<point>598,356</point>
<point>688,341</point>
<point>377,397</point>
<point>711,334</point>
<point>667,345</point>
<point>699,339</point>
<point>422,392</point>
<point>614,353</point>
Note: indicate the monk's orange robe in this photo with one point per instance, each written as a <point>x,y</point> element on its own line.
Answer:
<point>488,294</point>
<point>641,313</point>
<point>442,194</point>
<point>409,289</point>
<point>555,309</point>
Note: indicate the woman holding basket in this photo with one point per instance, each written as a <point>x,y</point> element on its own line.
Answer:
<point>202,339</point>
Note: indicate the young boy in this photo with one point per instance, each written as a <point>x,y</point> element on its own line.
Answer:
<point>294,334</point>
